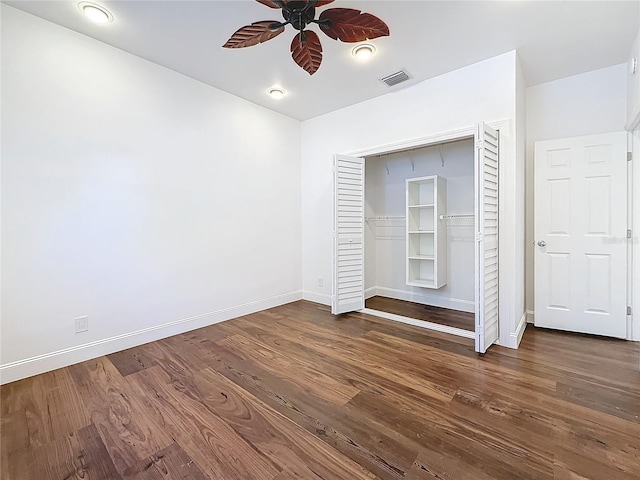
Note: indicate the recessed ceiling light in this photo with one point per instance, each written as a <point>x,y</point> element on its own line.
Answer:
<point>276,93</point>
<point>363,52</point>
<point>95,13</point>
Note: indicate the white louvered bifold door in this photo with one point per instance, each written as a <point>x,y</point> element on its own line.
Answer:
<point>486,175</point>
<point>348,247</point>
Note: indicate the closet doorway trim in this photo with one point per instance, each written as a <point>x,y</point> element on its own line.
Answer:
<point>507,325</point>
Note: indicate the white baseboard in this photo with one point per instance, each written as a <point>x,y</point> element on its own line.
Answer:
<point>634,324</point>
<point>531,316</point>
<point>316,297</point>
<point>516,336</point>
<point>27,367</point>
<point>370,292</point>
<point>635,328</point>
<point>451,303</point>
<point>420,323</point>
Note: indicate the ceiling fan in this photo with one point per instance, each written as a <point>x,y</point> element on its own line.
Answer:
<point>344,24</point>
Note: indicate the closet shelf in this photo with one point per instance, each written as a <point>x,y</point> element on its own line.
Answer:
<point>422,282</point>
<point>426,251</point>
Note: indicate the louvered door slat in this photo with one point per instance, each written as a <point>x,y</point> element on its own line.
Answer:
<point>348,282</point>
<point>486,168</point>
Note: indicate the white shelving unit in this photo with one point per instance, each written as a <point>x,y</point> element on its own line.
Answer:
<point>426,233</point>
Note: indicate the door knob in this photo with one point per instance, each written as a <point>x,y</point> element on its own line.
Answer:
<point>542,243</point>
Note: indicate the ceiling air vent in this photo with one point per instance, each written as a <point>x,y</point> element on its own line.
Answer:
<point>396,78</point>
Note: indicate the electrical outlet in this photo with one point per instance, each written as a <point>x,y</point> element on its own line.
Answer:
<point>320,281</point>
<point>82,324</point>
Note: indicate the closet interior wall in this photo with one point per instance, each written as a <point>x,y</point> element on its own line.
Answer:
<point>385,232</point>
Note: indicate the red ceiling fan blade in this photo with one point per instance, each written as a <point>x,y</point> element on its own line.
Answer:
<point>349,25</point>
<point>306,51</point>
<point>270,3</point>
<point>322,3</point>
<point>253,34</point>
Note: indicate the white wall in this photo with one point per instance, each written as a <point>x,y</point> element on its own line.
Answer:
<point>590,103</point>
<point>385,194</point>
<point>457,100</point>
<point>144,199</point>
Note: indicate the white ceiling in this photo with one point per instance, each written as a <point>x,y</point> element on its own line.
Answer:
<point>554,39</point>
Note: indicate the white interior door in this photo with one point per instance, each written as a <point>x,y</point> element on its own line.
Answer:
<point>486,214</point>
<point>348,248</point>
<point>580,234</point>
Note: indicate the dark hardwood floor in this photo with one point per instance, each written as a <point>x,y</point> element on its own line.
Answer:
<point>443,316</point>
<point>294,392</point>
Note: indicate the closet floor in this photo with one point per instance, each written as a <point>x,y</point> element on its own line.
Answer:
<point>442,316</point>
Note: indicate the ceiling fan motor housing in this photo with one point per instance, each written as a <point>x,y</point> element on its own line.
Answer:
<point>299,14</point>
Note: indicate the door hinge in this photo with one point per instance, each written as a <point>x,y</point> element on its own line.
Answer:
<point>629,156</point>
<point>629,310</point>
<point>628,233</point>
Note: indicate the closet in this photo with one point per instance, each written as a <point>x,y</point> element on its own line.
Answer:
<point>417,229</point>
<point>414,253</point>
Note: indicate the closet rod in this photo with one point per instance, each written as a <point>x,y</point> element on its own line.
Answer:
<point>444,217</point>
<point>386,218</point>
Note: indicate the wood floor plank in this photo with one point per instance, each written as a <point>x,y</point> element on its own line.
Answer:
<point>362,379</point>
<point>521,426</point>
<point>308,378</point>
<point>429,359</point>
<point>49,406</point>
<point>432,465</point>
<point>81,455</point>
<point>594,451</point>
<point>558,409</point>
<point>299,453</point>
<point>14,436</point>
<point>171,463</point>
<point>378,451</point>
<point>315,315</point>
<point>126,430</point>
<point>561,473</point>
<point>94,460</point>
<point>205,437</point>
<point>443,432</point>
<point>14,430</point>
<point>598,397</point>
<point>294,392</point>
<point>131,360</point>
<point>381,361</point>
<point>561,356</point>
